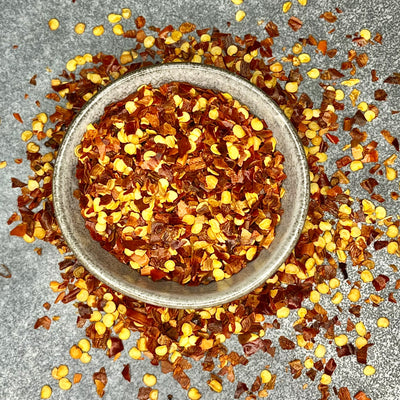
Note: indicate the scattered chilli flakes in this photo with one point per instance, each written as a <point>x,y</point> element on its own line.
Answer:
<point>18,117</point>
<point>126,372</point>
<point>295,23</point>
<point>5,272</point>
<point>100,380</point>
<point>393,79</point>
<point>45,322</point>
<point>328,16</point>
<point>330,241</point>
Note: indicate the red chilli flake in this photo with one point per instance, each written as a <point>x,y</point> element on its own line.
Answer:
<point>100,380</point>
<point>45,322</point>
<point>7,273</point>
<point>126,372</point>
<point>329,17</point>
<point>295,23</point>
<point>18,117</point>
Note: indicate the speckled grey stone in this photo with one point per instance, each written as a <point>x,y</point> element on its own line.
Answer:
<point>166,293</point>
<point>27,355</point>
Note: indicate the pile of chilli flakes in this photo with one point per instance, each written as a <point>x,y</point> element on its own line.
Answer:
<point>340,232</point>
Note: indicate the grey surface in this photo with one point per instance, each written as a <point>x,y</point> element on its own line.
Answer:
<point>27,356</point>
<point>167,293</point>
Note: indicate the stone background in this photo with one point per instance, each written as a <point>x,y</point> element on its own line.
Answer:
<point>27,355</point>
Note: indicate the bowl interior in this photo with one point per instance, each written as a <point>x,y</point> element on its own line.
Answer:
<point>164,293</point>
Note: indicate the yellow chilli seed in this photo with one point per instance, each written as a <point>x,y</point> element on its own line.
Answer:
<point>169,265</point>
<point>291,87</point>
<point>326,379</point>
<point>369,370</point>
<point>194,394</point>
<point>360,328</point>
<point>215,385</point>
<point>232,50</point>
<point>251,252</point>
<point>361,342</point>
<point>337,298</point>
<point>124,334</point>
<point>286,6</point>
<point>283,312</point>
<point>100,328</point>
<point>323,288</point>
<point>213,114</point>
<point>45,392</point>
<point>114,18</point>
<point>237,2</point>
<point>118,30</point>
<point>149,380</point>
<point>239,16</point>
<point>218,274</point>
<point>356,165</point>
<point>256,124</point>
<point>149,42</point>
<point>110,307</point>
<point>135,353</point>
<point>233,152</point>
<point>107,296</point>
<point>153,395</point>
<point>366,34</point>
<point>189,219</point>
<point>341,340</point>
<point>392,247</point>
<point>64,383</point>
<point>339,95</point>
<point>84,345</point>
<point>85,358</point>
<point>126,13</point>
<point>314,296</point>
<point>266,376</point>
<point>297,48</point>
<point>211,181</point>
<point>383,322</point>
<point>80,28</point>
<point>238,131</point>
<point>366,276</point>
<point>75,352</point>
<point>96,316</point>
<point>54,24</point>
<point>309,363</point>
<point>302,312</point>
<point>380,212</point>
<point>313,73</point>
<point>98,30</point>
<point>320,351</point>
<point>226,197</point>
<point>334,283</point>
<point>354,295</point>
<point>62,371</point>
<point>369,115</point>
<point>161,350</point>
<point>71,65</point>
<point>108,320</point>
<point>391,174</point>
<point>304,58</point>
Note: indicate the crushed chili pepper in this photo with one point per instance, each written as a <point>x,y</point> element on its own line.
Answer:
<point>337,234</point>
<point>207,196</point>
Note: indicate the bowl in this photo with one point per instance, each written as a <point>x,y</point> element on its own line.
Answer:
<point>163,293</point>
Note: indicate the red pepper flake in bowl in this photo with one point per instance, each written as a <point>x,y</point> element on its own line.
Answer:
<point>180,182</point>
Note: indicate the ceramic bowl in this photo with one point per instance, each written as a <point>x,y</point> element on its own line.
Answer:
<point>121,277</point>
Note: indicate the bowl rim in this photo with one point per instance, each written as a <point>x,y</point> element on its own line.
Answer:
<point>60,206</point>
